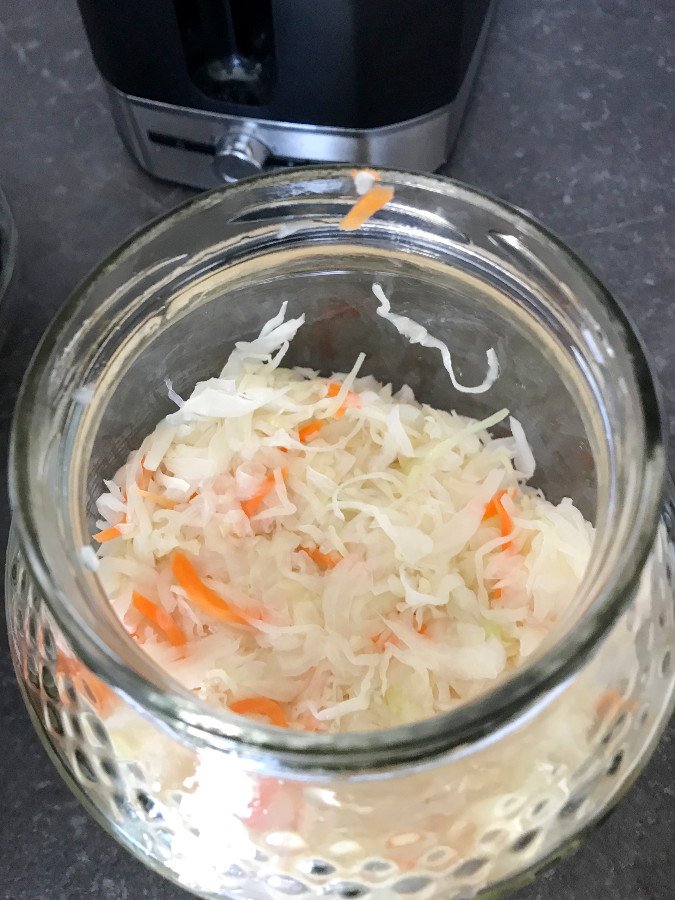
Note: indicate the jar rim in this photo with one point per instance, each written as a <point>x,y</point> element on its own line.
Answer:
<point>353,751</point>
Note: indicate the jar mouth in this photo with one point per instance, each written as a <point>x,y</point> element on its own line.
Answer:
<point>636,495</point>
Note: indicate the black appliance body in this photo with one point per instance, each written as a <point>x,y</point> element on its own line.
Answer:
<point>206,91</point>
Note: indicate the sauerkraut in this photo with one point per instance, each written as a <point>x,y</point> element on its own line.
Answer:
<point>328,554</point>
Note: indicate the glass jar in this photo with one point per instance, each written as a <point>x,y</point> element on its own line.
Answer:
<point>446,807</point>
<point>8,242</point>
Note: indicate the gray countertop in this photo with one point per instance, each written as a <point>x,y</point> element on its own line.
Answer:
<point>569,120</point>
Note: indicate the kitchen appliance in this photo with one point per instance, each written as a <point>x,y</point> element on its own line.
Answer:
<point>206,91</point>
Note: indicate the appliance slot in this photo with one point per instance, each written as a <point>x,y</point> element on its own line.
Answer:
<point>168,140</point>
<point>229,48</point>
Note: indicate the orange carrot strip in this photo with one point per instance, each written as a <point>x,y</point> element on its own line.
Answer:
<point>310,430</point>
<point>144,476</point>
<point>491,507</point>
<point>505,520</point>
<point>352,400</point>
<point>159,618</point>
<point>261,706</point>
<point>108,534</point>
<point>157,499</point>
<point>612,701</point>
<point>323,560</point>
<point>252,505</point>
<point>495,508</point>
<point>366,206</point>
<point>203,597</point>
<point>85,682</point>
<point>385,637</point>
<point>495,596</point>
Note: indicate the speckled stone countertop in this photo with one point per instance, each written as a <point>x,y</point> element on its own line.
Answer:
<point>569,119</point>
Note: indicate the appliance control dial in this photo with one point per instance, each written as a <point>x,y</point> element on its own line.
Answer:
<point>238,155</point>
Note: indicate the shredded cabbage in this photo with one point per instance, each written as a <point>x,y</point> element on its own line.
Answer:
<point>357,534</point>
<point>417,334</point>
<point>364,181</point>
<point>523,457</point>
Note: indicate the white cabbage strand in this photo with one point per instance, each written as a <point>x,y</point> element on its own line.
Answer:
<point>418,334</point>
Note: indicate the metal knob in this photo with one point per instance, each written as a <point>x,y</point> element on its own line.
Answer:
<point>238,155</point>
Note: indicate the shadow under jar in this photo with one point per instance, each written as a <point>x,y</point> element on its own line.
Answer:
<point>447,807</point>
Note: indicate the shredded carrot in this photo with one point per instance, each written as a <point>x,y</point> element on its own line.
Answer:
<point>385,637</point>
<point>314,426</point>
<point>495,596</point>
<point>274,807</point>
<point>505,520</point>
<point>352,400</point>
<point>496,508</point>
<point>145,476</point>
<point>261,706</point>
<point>323,560</point>
<point>491,507</point>
<point>86,683</point>
<point>613,701</point>
<point>366,206</point>
<point>108,534</point>
<point>203,597</point>
<point>159,618</point>
<point>253,504</point>
<point>310,430</point>
<point>157,499</point>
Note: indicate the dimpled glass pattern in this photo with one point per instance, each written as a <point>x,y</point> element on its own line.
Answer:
<point>449,829</point>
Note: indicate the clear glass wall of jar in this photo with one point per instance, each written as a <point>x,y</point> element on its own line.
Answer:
<point>443,808</point>
<point>8,251</point>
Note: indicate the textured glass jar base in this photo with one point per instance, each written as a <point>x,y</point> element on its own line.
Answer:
<point>476,820</point>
